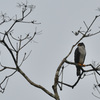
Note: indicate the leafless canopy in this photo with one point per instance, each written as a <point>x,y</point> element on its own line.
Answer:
<point>7,39</point>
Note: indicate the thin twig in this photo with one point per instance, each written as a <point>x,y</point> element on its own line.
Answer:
<point>85,24</point>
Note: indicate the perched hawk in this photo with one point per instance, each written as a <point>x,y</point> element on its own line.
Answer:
<point>79,56</point>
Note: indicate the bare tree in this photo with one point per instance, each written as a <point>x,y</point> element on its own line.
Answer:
<point>14,49</point>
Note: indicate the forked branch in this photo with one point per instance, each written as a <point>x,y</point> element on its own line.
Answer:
<point>14,50</point>
<point>84,35</point>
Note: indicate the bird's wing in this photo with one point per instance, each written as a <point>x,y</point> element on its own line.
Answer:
<point>77,56</point>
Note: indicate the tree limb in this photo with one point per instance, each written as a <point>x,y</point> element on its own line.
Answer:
<point>34,84</point>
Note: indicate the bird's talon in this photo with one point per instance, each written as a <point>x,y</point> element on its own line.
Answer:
<point>81,64</point>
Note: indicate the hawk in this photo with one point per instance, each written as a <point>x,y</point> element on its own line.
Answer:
<point>79,57</point>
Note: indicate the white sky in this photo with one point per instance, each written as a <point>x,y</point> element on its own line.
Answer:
<point>58,19</point>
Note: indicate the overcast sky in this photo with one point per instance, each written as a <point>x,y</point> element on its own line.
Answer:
<point>58,19</point>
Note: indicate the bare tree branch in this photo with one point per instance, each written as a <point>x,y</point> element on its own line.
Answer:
<point>56,79</point>
<point>34,84</point>
<point>21,42</point>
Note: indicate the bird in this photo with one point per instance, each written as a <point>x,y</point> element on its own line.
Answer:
<point>79,57</point>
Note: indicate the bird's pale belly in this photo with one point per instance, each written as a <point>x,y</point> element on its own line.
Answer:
<point>81,59</point>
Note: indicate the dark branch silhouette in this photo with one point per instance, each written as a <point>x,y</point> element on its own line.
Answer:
<point>22,41</point>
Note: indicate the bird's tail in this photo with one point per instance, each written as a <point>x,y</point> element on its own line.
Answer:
<point>78,70</point>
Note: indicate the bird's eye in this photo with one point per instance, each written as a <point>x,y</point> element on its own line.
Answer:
<point>79,44</point>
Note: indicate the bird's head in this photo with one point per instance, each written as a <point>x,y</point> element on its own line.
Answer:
<point>81,44</point>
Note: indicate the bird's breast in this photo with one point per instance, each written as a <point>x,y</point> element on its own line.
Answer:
<point>82,55</point>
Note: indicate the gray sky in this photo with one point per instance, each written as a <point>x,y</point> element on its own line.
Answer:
<point>58,19</point>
